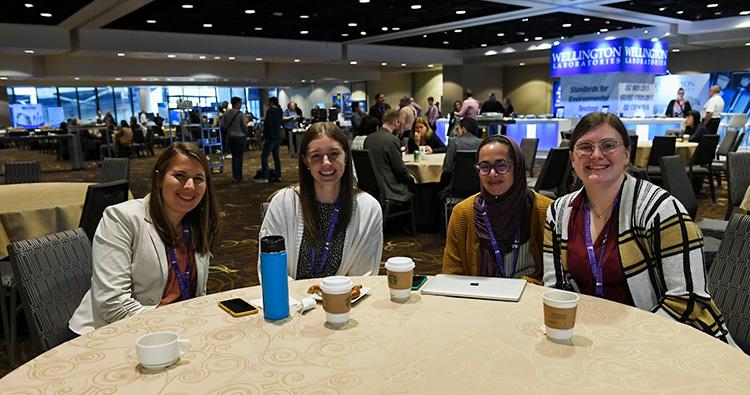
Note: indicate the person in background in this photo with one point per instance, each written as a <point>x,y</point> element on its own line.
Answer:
<point>406,117</point>
<point>499,231</point>
<point>416,106</point>
<point>369,126</point>
<point>123,139</point>
<point>678,107</point>
<point>467,140</point>
<point>713,109</point>
<point>694,127</point>
<point>509,110</point>
<point>99,118</point>
<point>385,152</point>
<point>469,107</point>
<point>378,109</point>
<point>289,120</point>
<point>272,136</point>
<point>492,105</point>
<point>232,121</point>
<point>153,251</point>
<point>453,119</point>
<point>139,133</point>
<point>433,113</point>
<point>299,112</point>
<point>423,135</point>
<point>159,120</point>
<point>329,227</point>
<point>109,119</point>
<point>143,118</point>
<point>625,239</point>
<point>357,116</point>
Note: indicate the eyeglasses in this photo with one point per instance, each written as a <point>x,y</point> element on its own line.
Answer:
<point>606,147</point>
<point>501,167</point>
<point>182,178</point>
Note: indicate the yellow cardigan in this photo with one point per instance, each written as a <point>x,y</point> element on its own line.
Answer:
<point>462,244</point>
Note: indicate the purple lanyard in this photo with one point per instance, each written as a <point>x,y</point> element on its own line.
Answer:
<point>597,266</point>
<point>326,247</point>
<point>499,260</point>
<point>183,279</point>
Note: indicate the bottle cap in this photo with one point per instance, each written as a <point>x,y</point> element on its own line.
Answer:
<point>270,244</point>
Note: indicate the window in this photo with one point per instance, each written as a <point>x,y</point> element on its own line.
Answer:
<point>25,95</point>
<point>47,96</point>
<point>123,109</point>
<point>69,102</point>
<point>253,101</point>
<point>106,102</point>
<point>87,101</point>
<point>135,96</point>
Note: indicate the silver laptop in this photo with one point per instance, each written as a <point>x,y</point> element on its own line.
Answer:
<point>508,289</point>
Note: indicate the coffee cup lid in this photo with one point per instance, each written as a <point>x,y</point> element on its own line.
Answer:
<point>335,284</point>
<point>399,264</point>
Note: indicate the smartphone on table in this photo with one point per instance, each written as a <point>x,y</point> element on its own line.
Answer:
<point>418,281</point>
<point>238,307</point>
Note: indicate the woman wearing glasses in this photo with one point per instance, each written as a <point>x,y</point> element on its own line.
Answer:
<point>330,228</point>
<point>499,231</point>
<point>153,251</point>
<point>625,239</point>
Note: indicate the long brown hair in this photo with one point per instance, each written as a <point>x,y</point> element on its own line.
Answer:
<point>428,133</point>
<point>203,220</point>
<point>307,182</point>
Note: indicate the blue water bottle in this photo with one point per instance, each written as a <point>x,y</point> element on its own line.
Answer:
<point>274,278</point>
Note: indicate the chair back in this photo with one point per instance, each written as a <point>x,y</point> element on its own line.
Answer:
<point>677,182</point>
<point>727,143</point>
<point>633,147</point>
<point>673,132</point>
<point>565,143</point>
<point>367,179</point>
<point>738,176</point>
<point>738,142</point>
<point>706,152</point>
<point>23,172</point>
<point>565,134</point>
<point>661,146</point>
<point>728,276</point>
<point>738,121</point>
<point>98,198</point>
<point>114,169</point>
<point>53,273</point>
<point>554,169</point>
<point>529,147</point>
<point>465,180</point>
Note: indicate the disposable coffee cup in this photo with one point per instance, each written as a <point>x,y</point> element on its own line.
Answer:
<point>400,272</point>
<point>159,350</point>
<point>685,137</point>
<point>560,314</point>
<point>422,150</point>
<point>337,299</point>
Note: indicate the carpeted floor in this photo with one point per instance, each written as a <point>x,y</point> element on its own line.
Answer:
<point>235,261</point>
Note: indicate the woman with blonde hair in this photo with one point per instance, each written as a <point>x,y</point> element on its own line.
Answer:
<point>423,135</point>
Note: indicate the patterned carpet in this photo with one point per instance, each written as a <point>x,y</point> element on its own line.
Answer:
<point>235,261</point>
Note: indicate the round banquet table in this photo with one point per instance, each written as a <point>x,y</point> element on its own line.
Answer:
<point>685,150</point>
<point>430,344</point>
<point>427,170</point>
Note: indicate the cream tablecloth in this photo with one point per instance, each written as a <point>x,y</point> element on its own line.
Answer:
<point>430,345</point>
<point>33,210</point>
<point>428,169</point>
<point>685,150</point>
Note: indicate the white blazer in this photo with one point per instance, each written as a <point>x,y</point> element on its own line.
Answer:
<point>130,268</point>
<point>363,243</point>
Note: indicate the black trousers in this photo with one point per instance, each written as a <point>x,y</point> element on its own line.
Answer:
<point>713,125</point>
<point>237,149</point>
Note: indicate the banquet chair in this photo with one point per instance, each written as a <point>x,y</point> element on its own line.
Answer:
<point>371,182</point>
<point>464,183</point>
<point>23,172</point>
<point>553,175</point>
<point>10,311</point>
<point>727,145</point>
<point>114,169</point>
<point>633,147</point>
<point>660,146</point>
<point>702,159</point>
<point>529,147</point>
<point>728,277</point>
<point>98,198</point>
<point>738,179</point>
<point>564,144</point>
<point>53,273</point>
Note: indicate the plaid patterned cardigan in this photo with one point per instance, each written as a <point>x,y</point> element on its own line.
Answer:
<point>661,250</point>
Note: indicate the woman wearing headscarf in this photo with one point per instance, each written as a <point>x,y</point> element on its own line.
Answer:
<point>499,231</point>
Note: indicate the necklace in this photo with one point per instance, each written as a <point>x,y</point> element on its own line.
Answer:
<point>606,210</point>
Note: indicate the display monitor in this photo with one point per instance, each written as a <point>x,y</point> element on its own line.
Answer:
<point>560,112</point>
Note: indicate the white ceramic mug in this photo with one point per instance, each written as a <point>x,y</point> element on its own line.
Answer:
<point>159,349</point>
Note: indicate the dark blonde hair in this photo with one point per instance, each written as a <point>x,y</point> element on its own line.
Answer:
<point>423,121</point>
<point>203,220</point>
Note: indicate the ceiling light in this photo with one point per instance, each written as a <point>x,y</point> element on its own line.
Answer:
<point>744,13</point>
<point>202,57</point>
<point>556,43</point>
<point>231,58</point>
<point>446,42</point>
<point>384,28</point>
<point>653,40</point>
<point>169,79</point>
<point>304,16</point>
<point>29,51</point>
<point>384,64</point>
<point>27,5</point>
<point>416,6</point>
<point>606,22</point>
<point>364,33</point>
<point>257,29</point>
<point>217,57</point>
<point>303,32</point>
<point>430,65</point>
<point>537,38</point>
<point>259,59</point>
<point>46,14</point>
<point>566,25</point>
<point>364,1</point>
<point>296,60</point>
<point>344,34</point>
<point>645,32</point>
<point>424,36</point>
<point>747,44</point>
<point>143,79</point>
<point>208,25</point>
<point>187,6</point>
<point>352,62</point>
<point>525,20</point>
<point>603,30</point>
<point>352,24</point>
<point>586,19</point>
<point>151,21</point>
<point>249,11</point>
<point>483,45</point>
<point>522,64</point>
<point>662,8</point>
<point>120,54</point>
<point>676,50</point>
<point>610,38</point>
<point>460,12</point>
<point>346,81</point>
<point>457,31</point>
<point>118,79</point>
<point>278,14</point>
<point>712,5</point>
<point>680,12</point>
<point>77,78</point>
<point>403,64</point>
<point>3,78</point>
<point>304,81</point>
<point>192,79</point>
<point>490,53</point>
<point>171,56</point>
<point>525,39</point>
<point>312,80</point>
<point>395,29</point>
<point>501,34</point>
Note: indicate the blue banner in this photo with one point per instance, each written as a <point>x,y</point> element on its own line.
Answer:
<point>609,56</point>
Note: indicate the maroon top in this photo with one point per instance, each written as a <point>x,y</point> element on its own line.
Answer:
<point>615,287</point>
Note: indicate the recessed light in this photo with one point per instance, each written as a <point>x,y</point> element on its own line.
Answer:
<point>364,1</point>
<point>169,79</point>
<point>744,13</point>
<point>416,6</point>
<point>352,24</point>
<point>249,11</point>
<point>3,78</point>
<point>171,56</point>
<point>556,43</point>
<point>231,58</point>
<point>118,79</point>
<point>522,64</point>
<point>151,21</point>
<point>344,34</point>
<point>525,20</point>
<point>537,38</point>
<point>364,33</point>
<point>608,38</point>
<point>712,5</point>
<point>653,40</point>
<point>424,36</point>
<point>29,51</point>
<point>27,5</point>
<point>304,16</point>
<point>77,78</point>
<point>717,13</point>
<point>304,81</point>
<point>403,64</point>
<point>526,40</point>
<point>217,57</point>
<point>120,54</point>
<point>747,44</point>
<point>259,59</point>
<point>566,25</point>
<point>143,79</point>
<point>662,8</point>
<point>384,64</point>
<point>676,50</point>
<point>192,79</point>
<point>313,81</point>
<point>45,14</point>
<point>303,32</point>
<point>395,29</point>
<point>460,12</point>
<point>446,42</point>
<point>384,28</point>
<point>586,19</point>
<point>208,25</point>
<point>202,57</point>
<point>296,60</point>
<point>352,62</point>
<point>258,28</point>
<point>346,81</point>
<point>501,34</point>
<point>606,22</point>
<point>483,45</point>
<point>430,65</point>
<point>603,30</point>
<point>457,30</point>
<point>278,13</point>
<point>680,12</point>
<point>490,52</point>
